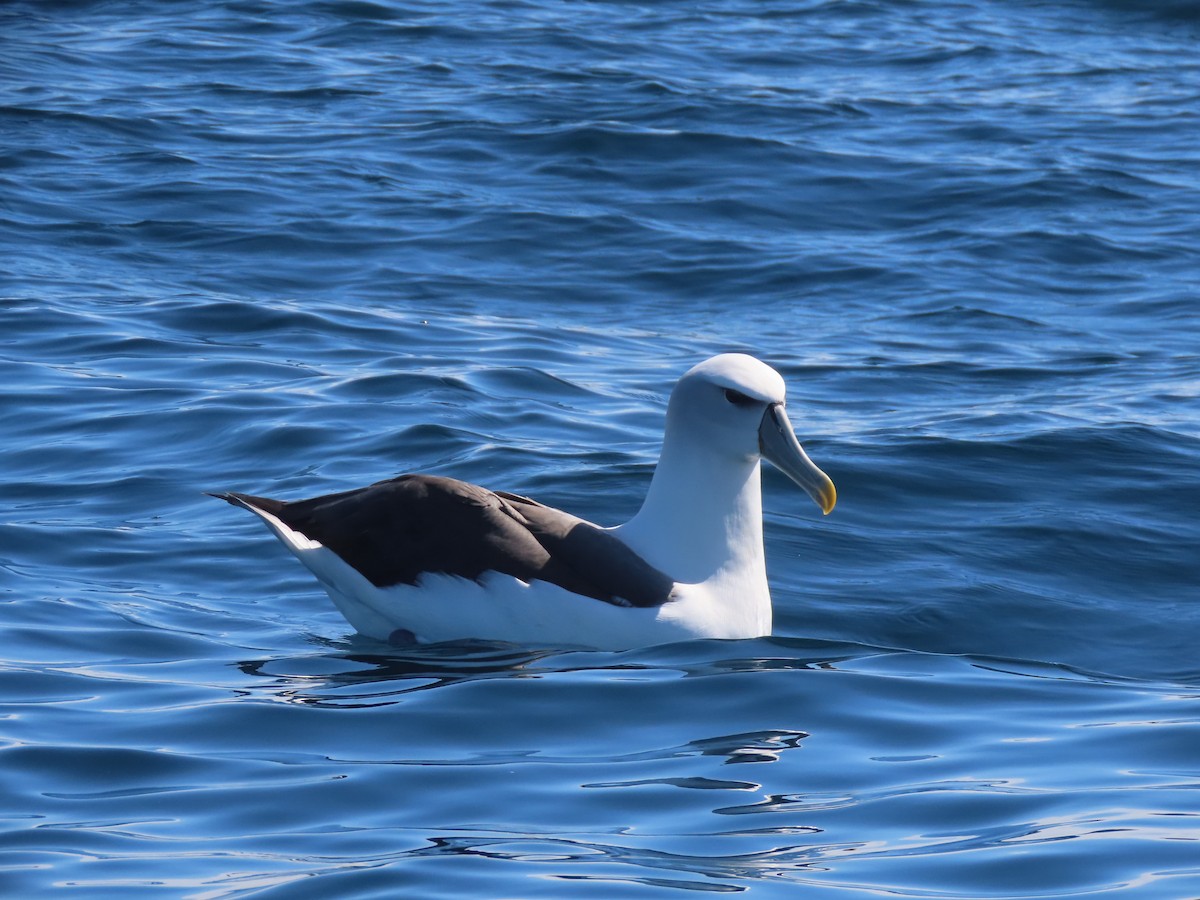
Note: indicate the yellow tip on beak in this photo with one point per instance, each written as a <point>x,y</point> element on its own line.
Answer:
<point>828,497</point>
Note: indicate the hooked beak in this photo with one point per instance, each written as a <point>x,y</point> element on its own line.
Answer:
<point>778,444</point>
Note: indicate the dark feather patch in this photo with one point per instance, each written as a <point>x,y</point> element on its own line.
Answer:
<point>396,530</point>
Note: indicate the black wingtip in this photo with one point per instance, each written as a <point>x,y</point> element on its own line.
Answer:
<point>249,501</point>
<point>245,501</point>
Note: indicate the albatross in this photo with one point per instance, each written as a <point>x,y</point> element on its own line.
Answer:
<point>426,559</point>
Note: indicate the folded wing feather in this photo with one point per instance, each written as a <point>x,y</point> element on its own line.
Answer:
<point>396,530</point>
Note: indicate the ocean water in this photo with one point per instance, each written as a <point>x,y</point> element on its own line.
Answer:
<point>290,248</point>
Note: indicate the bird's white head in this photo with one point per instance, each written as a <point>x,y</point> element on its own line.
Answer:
<point>733,405</point>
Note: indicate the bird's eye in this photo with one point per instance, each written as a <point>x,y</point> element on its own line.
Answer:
<point>737,398</point>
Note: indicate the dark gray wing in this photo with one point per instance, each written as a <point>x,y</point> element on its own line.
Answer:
<point>394,531</point>
<point>612,569</point>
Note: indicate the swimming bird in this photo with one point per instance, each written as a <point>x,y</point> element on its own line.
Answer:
<point>427,558</point>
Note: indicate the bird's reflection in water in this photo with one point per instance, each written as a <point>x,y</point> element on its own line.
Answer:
<point>360,672</point>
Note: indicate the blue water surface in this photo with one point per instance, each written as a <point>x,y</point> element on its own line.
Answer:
<point>291,248</point>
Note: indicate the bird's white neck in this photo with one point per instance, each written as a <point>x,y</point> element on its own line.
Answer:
<point>702,519</point>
